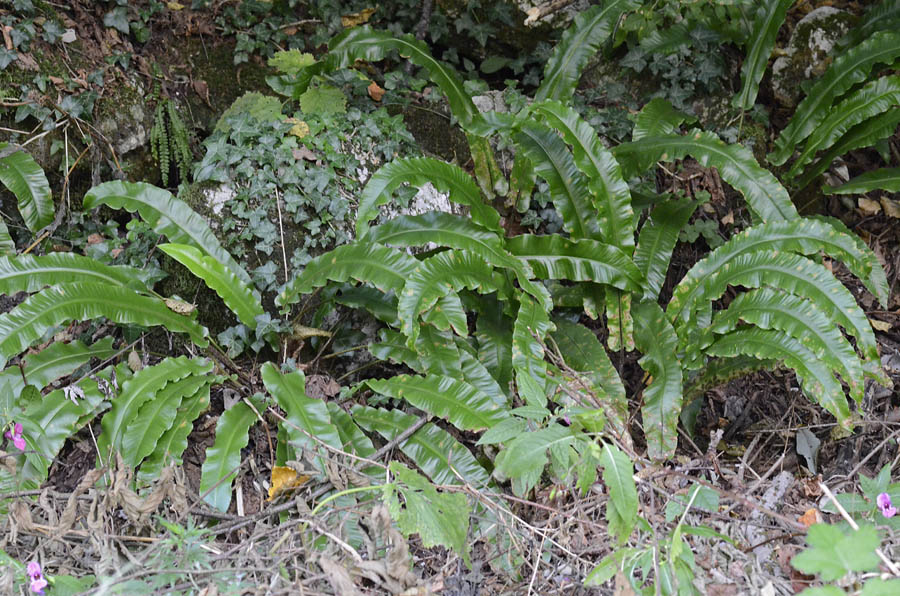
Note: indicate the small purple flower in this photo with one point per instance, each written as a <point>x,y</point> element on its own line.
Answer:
<point>38,583</point>
<point>16,436</point>
<point>884,503</point>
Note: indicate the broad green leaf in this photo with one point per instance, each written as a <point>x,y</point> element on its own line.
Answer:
<point>525,456</point>
<point>487,171</point>
<point>553,162</point>
<point>392,346</point>
<point>385,268</point>
<point>658,118</point>
<point>654,336</point>
<point>362,43</point>
<point>816,379</point>
<point>610,195</point>
<point>224,456</point>
<point>849,68</point>
<point>876,586</point>
<point>28,322</point>
<point>30,273</point>
<point>578,43</point>
<point>493,330</point>
<point>308,422</point>
<point>770,308</point>
<point>380,306</point>
<point>57,360</point>
<point>353,439</point>
<point>434,451</point>
<point>521,182</point>
<point>832,553</point>
<point>438,351</point>
<point>881,179</point>
<point>418,171</point>
<point>769,17</point>
<point>440,519</point>
<point>239,297</point>
<point>657,241</point>
<point>555,257</point>
<point>619,320</point>
<point>503,431</point>
<point>719,371</point>
<point>463,405</point>
<point>323,100</point>
<point>871,100</point>
<point>530,328</point>
<point>764,195</point>
<point>135,392</point>
<point>448,314</point>
<point>7,246</point>
<point>477,375</point>
<point>622,507</point>
<point>25,179</point>
<point>168,215</point>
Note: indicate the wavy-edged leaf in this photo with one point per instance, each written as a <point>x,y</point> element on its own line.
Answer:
<point>438,276</point>
<point>392,346</point>
<point>307,418</point>
<point>438,351</point>
<point>525,457</point>
<point>362,43</point>
<point>224,456</point>
<point>531,327</point>
<point>7,245</point>
<point>167,214</point>
<point>848,69</point>
<point>239,297</point>
<point>864,134</point>
<point>434,451</point>
<point>22,175</point>
<point>493,330</point>
<point>882,16</point>
<point>765,196</point>
<point>769,308</point>
<point>382,307</point>
<point>658,118</point>
<point>448,314</point>
<point>657,241</point>
<point>353,439</point>
<point>30,273</point>
<point>619,321</point>
<point>57,360</point>
<point>385,268</point>
<point>555,257</point>
<point>805,236</point>
<point>173,442</point>
<point>477,375</point>
<point>718,371</point>
<point>578,43</point>
<point>872,99</point>
<point>418,171</point>
<point>138,390</point>
<point>881,179</point>
<point>655,337</point>
<point>769,18</point>
<point>610,195</point>
<point>553,162</point>
<point>622,507</point>
<point>521,182</point>
<point>28,322</point>
<point>156,417</point>
<point>466,407</point>
<point>816,379</point>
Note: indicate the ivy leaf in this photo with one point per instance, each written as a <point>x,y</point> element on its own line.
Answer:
<point>117,18</point>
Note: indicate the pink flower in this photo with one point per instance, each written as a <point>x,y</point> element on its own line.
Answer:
<point>884,503</point>
<point>38,583</point>
<point>16,436</point>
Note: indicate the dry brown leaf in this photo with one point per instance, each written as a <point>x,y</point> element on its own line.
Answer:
<point>67,519</point>
<point>868,206</point>
<point>179,306</point>
<point>305,153</point>
<point>880,325</point>
<point>8,462</point>
<point>356,18</point>
<point>134,361</point>
<point>375,92</point>
<point>27,62</point>
<point>891,207</point>
<point>174,6</point>
<point>728,219</point>
<point>283,480</point>
<point>95,239</point>
<point>812,516</point>
<point>338,576</point>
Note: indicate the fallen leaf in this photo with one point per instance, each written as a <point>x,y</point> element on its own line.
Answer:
<point>868,206</point>
<point>283,480</point>
<point>356,18</point>
<point>174,6</point>
<point>891,207</point>
<point>180,306</point>
<point>812,516</point>
<point>728,219</point>
<point>27,62</point>
<point>881,325</point>
<point>375,92</point>
<point>95,239</point>
<point>299,129</point>
<point>201,88</point>
<point>305,153</point>
<point>134,361</point>
<point>69,36</point>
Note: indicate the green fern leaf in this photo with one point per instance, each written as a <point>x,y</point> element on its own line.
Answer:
<point>28,322</point>
<point>578,43</point>
<point>493,331</point>
<point>223,458</point>
<point>769,18</point>
<point>864,134</point>
<point>882,16</point>
<point>477,375</point>
<point>241,299</point>
<point>619,320</point>
<point>815,378</point>
<point>173,442</point>
<point>392,346</point>
<point>56,361</point>
<point>718,371</point>
<point>568,186</point>
<point>362,43</point>
<point>531,327</point>
<point>657,241</point>
<point>353,439</point>
<point>775,309</point>
<point>555,257</point>
<point>611,197</point>
<point>382,307</point>
<point>448,313</point>
<point>385,268</point>
<point>466,407</point>
<point>168,215</point>
<point>432,449</point>
<point>525,456</point>
<point>765,196</point>
<point>658,118</point>
<point>656,338</point>
<point>438,352</point>
<point>136,391</point>
<point>30,273</point>
<point>419,171</point>
<point>872,99</point>
<point>882,179</point>
<point>7,245</point>
<point>848,69</point>
<point>25,179</point>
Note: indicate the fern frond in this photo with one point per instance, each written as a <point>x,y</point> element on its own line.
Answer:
<point>881,179</point>
<point>657,241</point>
<point>27,181</point>
<point>30,273</point>
<point>769,17</point>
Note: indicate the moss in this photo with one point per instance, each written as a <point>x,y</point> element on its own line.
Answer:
<point>435,134</point>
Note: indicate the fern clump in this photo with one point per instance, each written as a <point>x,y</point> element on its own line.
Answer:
<point>169,142</point>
